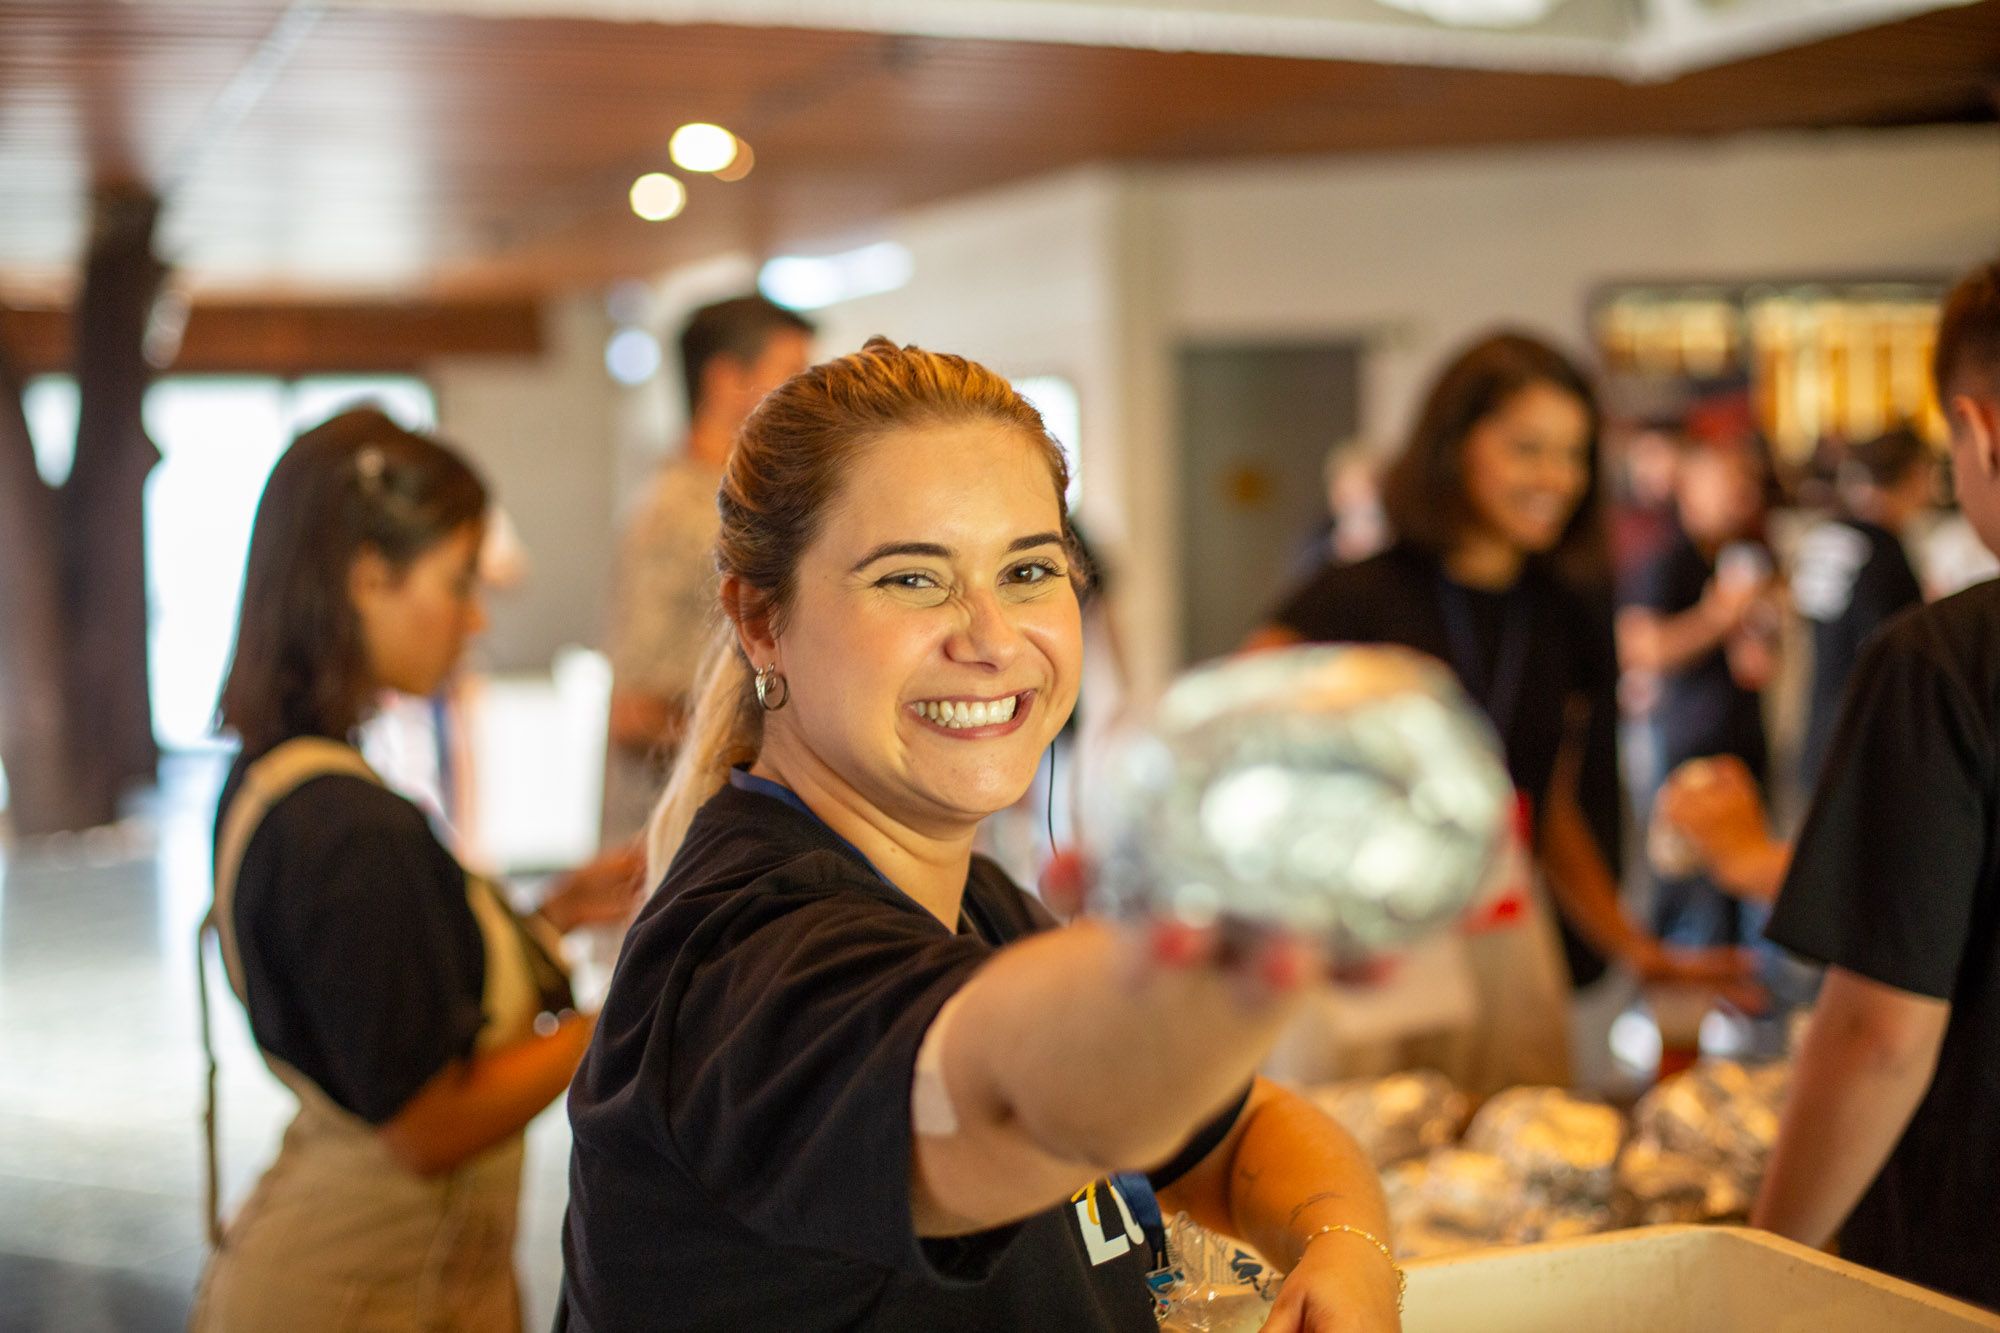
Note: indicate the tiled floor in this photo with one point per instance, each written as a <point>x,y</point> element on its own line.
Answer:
<point>101,1083</point>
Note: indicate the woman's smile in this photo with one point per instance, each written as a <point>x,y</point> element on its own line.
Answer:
<point>974,717</point>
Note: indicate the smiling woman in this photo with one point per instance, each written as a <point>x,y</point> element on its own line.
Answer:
<point>849,1076</point>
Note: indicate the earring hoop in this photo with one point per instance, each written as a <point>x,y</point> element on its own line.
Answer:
<point>773,690</point>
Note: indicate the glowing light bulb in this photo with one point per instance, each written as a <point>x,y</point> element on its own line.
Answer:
<point>656,196</point>
<point>702,147</point>
<point>737,170</point>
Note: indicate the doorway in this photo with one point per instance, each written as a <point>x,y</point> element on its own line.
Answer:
<point>1257,421</point>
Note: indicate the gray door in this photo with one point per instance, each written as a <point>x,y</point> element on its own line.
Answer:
<point>1256,423</point>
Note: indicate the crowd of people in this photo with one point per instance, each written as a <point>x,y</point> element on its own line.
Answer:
<point>850,1074</point>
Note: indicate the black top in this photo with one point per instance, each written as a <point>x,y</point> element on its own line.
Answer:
<point>1849,578</point>
<point>1539,659</point>
<point>1702,710</point>
<point>362,961</point>
<point>1896,878</point>
<point>742,1118</point>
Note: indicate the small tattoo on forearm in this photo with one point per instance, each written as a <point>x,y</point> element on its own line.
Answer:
<point>1323,1196</point>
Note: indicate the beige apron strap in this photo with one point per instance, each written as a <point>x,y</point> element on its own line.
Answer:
<point>269,781</point>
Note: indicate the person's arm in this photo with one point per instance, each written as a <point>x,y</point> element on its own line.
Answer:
<point>602,891</point>
<point>1656,641</point>
<point>1285,1175</point>
<point>1714,804</point>
<point>473,1104</point>
<point>1866,1062</point>
<point>1587,895</point>
<point>1005,1128</point>
<point>646,722</point>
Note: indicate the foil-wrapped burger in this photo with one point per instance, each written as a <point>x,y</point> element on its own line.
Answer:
<point>1395,1117</point>
<point>1352,794</point>
<point>1701,1142</point>
<point>1563,1148</point>
<point>1451,1200</point>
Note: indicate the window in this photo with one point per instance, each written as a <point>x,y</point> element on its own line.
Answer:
<point>218,438</point>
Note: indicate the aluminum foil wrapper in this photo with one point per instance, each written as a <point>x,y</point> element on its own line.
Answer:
<point>1397,1117</point>
<point>1211,1284</point>
<point>1702,1140</point>
<point>1659,1187</point>
<point>1562,1148</point>
<point>1348,793</point>
<point>1451,1195</point>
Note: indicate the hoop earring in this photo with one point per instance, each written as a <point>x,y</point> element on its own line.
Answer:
<point>773,691</point>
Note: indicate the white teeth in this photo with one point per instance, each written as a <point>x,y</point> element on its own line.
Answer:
<point>957,714</point>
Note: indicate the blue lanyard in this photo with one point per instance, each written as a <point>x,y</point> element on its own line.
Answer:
<point>744,780</point>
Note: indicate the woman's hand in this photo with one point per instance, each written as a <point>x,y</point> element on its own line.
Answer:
<point>1728,970</point>
<point>600,892</point>
<point>1269,962</point>
<point>1715,805</point>
<point>1342,1284</point>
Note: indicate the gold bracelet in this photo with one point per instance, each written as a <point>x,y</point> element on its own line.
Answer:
<point>1402,1278</point>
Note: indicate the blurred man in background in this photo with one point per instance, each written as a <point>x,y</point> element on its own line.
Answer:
<point>663,598</point>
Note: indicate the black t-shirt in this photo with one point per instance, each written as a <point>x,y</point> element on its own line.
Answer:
<point>363,964</point>
<point>742,1118</point>
<point>1702,710</point>
<point>1538,658</point>
<point>1896,878</point>
<point>1849,578</point>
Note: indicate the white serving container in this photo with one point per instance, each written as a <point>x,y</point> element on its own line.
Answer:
<point>1683,1279</point>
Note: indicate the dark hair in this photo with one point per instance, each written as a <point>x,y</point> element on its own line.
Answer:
<point>356,482</point>
<point>1968,341</point>
<point>1423,491</point>
<point>738,329</point>
<point>788,466</point>
<point>1885,460</point>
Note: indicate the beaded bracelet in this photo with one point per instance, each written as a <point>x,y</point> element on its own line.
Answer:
<point>1402,1278</point>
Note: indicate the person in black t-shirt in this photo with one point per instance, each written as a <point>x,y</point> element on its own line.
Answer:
<point>420,1025</point>
<point>1851,574</point>
<point>1888,1136</point>
<point>849,1076</point>
<point>1701,622</point>
<point>1498,571</point>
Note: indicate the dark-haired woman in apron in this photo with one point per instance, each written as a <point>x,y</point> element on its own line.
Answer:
<point>420,1023</point>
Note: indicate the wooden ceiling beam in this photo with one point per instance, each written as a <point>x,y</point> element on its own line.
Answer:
<point>273,338</point>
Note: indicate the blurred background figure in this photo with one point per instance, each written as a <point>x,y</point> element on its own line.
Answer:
<point>1355,526</point>
<point>420,1023</point>
<point>1851,574</point>
<point>1498,569</point>
<point>1702,621</point>
<point>663,600</point>
<point>1642,507</point>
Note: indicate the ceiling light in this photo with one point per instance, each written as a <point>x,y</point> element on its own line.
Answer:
<point>656,196</point>
<point>807,282</point>
<point>702,147</point>
<point>632,356</point>
<point>737,170</point>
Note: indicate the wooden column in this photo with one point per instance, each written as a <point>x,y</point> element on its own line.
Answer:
<point>76,729</point>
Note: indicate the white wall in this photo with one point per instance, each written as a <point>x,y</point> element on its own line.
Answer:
<point>542,431</point>
<point>1424,251</point>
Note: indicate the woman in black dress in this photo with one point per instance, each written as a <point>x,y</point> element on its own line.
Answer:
<point>1498,570</point>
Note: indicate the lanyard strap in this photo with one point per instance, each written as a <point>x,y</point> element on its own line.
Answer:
<point>1500,693</point>
<point>744,780</point>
